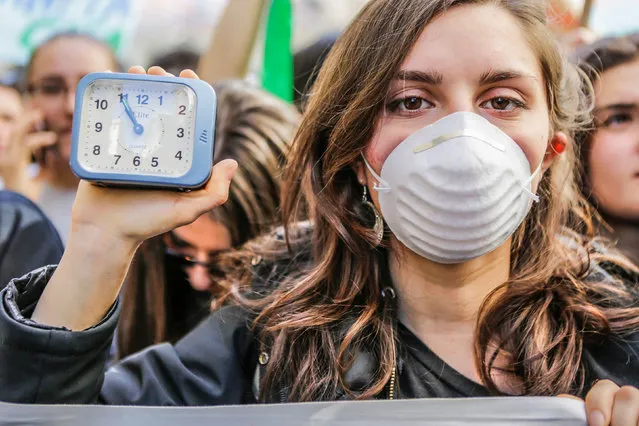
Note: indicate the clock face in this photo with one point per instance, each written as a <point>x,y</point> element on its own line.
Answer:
<point>137,127</point>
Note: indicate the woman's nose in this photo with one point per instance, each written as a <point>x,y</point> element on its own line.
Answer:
<point>199,278</point>
<point>461,102</point>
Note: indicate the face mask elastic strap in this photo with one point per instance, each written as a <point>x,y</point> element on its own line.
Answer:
<point>532,195</point>
<point>381,185</point>
<point>526,186</point>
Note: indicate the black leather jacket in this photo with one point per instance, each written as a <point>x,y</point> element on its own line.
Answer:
<point>215,364</point>
<point>28,239</point>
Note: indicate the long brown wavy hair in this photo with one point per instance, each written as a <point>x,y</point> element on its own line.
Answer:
<point>316,323</point>
<point>255,129</point>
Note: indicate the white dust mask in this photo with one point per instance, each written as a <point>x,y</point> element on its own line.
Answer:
<point>456,189</point>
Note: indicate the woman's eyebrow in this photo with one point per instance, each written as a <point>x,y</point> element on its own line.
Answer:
<point>617,106</point>
<point>428,77</point>
<point>52,78</point>
<point>219,251</point>
<point>496,76</point>
<point>178,241</point>
<point>435,78</point>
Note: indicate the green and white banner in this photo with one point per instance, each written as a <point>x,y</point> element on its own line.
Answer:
<point>26,23</point>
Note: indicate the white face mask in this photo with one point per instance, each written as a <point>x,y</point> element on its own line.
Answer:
<point>456,189</point>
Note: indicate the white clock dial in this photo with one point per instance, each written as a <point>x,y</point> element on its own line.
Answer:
<point>123,131</point>
<point>137,127</point>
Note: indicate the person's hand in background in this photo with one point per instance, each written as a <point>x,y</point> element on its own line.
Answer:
<point>21,136</point>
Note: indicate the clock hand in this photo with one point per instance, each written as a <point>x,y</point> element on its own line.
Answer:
<point>137,127</point>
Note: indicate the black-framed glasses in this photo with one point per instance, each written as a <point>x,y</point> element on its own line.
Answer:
<point>187,261</point>
<point>51,87</point>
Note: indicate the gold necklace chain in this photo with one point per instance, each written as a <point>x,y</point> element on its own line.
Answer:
<point>388,294</point>
<point>391,385</point>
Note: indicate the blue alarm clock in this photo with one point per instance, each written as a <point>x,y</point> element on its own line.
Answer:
<point>143,130</point>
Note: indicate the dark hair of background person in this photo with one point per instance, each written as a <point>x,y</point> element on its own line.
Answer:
<point>13,79</point>
<point>177,60</point>
<point>594,60</point>
<point>66,35</point>
<point>306,65</point>
<point>255,129</point>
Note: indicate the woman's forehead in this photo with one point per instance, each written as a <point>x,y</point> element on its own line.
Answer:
<point>71,56</point>
<point>618,85</point>
<point>472,40</point>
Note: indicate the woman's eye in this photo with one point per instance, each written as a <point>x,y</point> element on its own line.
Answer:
<point>52,89</point>
<point>409,104</point>
<point>413,103</point>
<point>503,104</point>
<point>617,119</point>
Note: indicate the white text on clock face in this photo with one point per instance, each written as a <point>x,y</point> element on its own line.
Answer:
<point>137,127</point>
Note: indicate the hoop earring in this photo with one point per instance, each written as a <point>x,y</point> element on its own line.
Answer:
<point>378,228</point>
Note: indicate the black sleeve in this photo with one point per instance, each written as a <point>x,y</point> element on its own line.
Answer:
<point>615,359</point>
<point>28,239</point>
<point>212,365</point>
<point>40,364</point>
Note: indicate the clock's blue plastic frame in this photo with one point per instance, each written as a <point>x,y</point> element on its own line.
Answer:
<point>203,137</point>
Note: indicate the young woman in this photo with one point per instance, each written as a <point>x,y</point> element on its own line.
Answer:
<point>175,277</point>
<point>610,151</point>
<point>53,72</point>
<point>442,260</point>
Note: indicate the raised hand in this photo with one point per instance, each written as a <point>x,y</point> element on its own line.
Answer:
<point>18,142</point>
<point>107,227</point>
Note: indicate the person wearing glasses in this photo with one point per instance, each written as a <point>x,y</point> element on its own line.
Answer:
<point>44,130</point>
<point>174,278</point>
